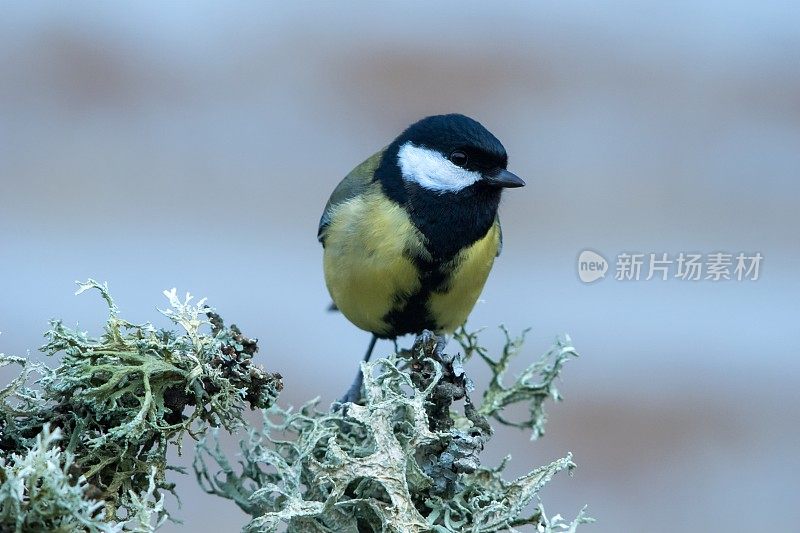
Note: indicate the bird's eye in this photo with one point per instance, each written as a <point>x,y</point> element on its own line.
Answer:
<point>459,158</point>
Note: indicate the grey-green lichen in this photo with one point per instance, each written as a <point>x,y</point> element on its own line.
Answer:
<point>535,385</point>
<point>40,490</point>
<point>403,459</point>
<point>123,399</point>
<point>37,492</point>
<point>83,446</point>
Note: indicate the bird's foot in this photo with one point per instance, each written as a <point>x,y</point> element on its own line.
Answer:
<point>353,394</point>
<point>429,344</point>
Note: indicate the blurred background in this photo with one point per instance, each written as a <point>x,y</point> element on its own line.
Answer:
<point>164,144</point>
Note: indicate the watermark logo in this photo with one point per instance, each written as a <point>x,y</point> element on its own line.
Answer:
<point>685,266</point>
<point>591,266</point>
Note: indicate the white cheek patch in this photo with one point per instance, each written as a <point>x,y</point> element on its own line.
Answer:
<point>431,170</point>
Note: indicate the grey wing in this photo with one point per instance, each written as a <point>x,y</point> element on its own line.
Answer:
<point>499,229</point>
<point>352,185</point>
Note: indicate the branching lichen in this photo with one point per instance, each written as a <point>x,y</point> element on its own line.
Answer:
<point>401,461</point>
<point>83,446</point>
<point>38,493</point>
<point>123,399</point>
<point>535,385</point>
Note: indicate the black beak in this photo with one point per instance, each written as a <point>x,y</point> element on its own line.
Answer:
<point>504,178</point>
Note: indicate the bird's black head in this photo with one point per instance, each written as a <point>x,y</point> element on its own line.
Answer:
<point>445,154</point>
<point>448,171</point>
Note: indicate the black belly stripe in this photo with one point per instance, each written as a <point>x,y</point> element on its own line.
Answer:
<point>411,315</point>
<point>449,222</point>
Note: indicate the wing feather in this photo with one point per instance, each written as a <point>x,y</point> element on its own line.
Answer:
<point>500,236</point>
<point>354,184</point>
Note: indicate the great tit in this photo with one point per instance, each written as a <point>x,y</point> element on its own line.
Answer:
<point>410,234</point>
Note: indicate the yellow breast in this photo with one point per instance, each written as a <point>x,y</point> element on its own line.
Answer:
<point>451,305</point>
<point>370,270</point>
<point>368,267</point>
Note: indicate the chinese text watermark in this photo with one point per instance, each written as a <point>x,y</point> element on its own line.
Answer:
<point>685,266</point>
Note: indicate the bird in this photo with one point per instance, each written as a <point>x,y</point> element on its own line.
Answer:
<point>409,235</point>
